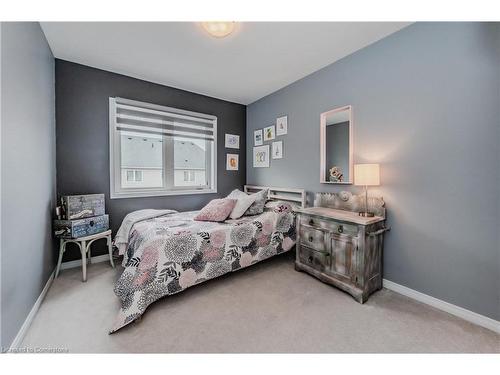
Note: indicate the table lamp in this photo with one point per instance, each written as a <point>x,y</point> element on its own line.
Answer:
<point>366,175</point>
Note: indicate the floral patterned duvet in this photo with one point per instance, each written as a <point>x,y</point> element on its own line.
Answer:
<point>168,254</point>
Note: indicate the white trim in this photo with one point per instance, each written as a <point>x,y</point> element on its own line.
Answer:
<point>78,262</point>
<point>138,106</point>
<point>274,193</point>
<point>161,193</point>
<point>29,319</point>
<point>458,311</point>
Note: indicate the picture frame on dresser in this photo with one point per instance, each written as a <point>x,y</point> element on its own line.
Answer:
<point>339,247</point>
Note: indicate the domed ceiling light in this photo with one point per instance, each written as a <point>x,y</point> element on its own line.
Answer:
<point>218,29</point>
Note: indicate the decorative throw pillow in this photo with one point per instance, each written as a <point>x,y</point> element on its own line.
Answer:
<point>280,206</point>
<point>257,207</point>
<point>244,201</point>
<point>216,210</point>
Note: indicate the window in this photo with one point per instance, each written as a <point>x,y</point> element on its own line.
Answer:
<point>156,150</point>
<point>189,176</point>
<point>133,175</point>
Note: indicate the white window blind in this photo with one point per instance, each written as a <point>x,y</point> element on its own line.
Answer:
<point>162,143</point>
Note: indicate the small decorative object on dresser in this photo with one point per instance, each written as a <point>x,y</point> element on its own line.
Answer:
<point>338,246</point>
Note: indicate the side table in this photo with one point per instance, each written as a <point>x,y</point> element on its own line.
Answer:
<point>84,244</point>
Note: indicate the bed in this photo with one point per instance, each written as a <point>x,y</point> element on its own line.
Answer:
<point>169,252</point>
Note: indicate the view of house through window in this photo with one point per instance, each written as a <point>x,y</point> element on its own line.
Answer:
<point>189,162</point>
<point>141,160</point>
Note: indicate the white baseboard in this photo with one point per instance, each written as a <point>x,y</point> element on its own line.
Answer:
<point>29,319</point>
<point>465,314</point>
<point>78,262</point>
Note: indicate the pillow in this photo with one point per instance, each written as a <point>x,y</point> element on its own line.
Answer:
<point>257,207</point>
<point>280,206</point>
<point>216,210</point>
<point>244,201</point>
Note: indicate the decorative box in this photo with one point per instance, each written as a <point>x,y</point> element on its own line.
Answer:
<point>81,206</point>
<point>81,227</point>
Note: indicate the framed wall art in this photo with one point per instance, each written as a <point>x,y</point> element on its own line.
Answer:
<point>232,141</point>
<point>261,156</point>
<point>269,133</point>
<point>232,162</point>
<point>277,150</point>
<point>282,125</point>
<point>257,138</point>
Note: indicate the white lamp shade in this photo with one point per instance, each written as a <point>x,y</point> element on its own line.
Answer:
<point>367,174</point>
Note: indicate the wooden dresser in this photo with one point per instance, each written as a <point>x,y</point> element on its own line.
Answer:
<point>338,246</point>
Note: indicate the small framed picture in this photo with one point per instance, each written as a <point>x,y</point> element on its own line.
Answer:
<point>232,141</point>
<point>269,133</point>
<point>277,150</point>
<point>257,137</point>
<point>261,156</point>
<point>232,162</point>
<point>282,125</point>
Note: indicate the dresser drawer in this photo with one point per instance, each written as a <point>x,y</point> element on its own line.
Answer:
<point>313,237</point>
<point>315,259</point>
<point>330,225</point>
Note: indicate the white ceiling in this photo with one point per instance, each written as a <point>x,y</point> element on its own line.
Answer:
<point>256,60</point>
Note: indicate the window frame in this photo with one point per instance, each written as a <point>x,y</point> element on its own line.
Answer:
<point>116,191</point>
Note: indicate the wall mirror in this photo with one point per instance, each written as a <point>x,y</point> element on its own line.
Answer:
<point>336,146</point>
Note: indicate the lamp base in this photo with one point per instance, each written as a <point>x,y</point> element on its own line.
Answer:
<point>366,214</point>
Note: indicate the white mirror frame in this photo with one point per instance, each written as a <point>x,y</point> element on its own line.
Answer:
<point>323,117</point>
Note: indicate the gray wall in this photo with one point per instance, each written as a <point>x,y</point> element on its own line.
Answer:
<point>426,107</point>
<point>82,97</point>
<point>28,171</point>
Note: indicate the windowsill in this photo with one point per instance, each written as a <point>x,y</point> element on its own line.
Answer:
<point>160,193</point>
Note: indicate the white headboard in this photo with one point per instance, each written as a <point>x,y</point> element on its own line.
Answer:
<point>282,194</point>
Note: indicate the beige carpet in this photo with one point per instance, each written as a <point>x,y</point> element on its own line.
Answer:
<point>269,307</point>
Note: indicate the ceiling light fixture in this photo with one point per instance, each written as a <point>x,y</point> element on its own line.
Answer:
<point>218,29</point>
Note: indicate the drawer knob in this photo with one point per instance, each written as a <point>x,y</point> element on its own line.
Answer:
<point>91,223</point>
<point>311,222</point>
<point>310,259</point>
<point>311,238</point>
<point>340,229</point>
